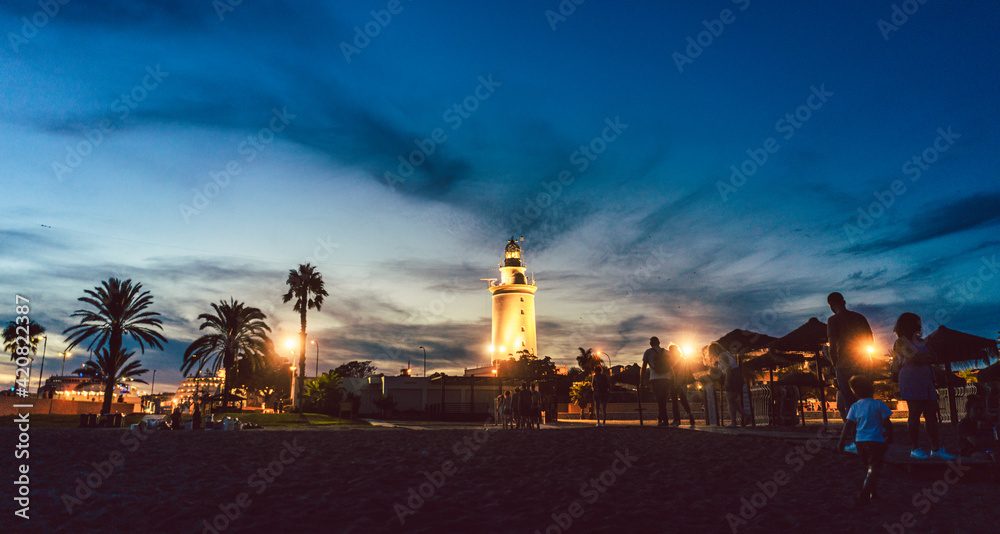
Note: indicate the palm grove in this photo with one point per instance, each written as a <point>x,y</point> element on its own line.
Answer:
<point>235,339</point>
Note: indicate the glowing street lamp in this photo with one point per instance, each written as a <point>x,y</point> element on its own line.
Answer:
<point>45,345</point>
<point>292,368</point>
<point>64,356</point>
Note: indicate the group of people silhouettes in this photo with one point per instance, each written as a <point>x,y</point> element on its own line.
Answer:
<point>519,409</point>
<point>669,376</point>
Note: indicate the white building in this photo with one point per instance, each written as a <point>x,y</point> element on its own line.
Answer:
<point>513,307</point>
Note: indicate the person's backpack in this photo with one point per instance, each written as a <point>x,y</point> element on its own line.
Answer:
<point>661,361</point>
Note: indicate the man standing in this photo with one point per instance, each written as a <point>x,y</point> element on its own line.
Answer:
<point>659,377</point>
<point>850,335</point>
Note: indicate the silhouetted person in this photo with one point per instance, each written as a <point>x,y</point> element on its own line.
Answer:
<point>916,385</point>
<point>196,422</point>
<point>175,419</point>
<point>850,335</point>
<point>732,382</point>
<point>678,385</point>
<point>602,392</point>
<point>658,361</point>
<point>869,420</point>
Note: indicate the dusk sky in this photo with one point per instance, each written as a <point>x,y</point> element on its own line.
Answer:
<point>204,152</point>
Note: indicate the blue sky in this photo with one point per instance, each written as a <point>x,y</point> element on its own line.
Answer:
<point>204,155</point>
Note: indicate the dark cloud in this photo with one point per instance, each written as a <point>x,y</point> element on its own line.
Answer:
<point>940,220</point>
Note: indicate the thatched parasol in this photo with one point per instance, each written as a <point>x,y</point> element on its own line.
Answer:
<point>951,346</point>
<point>810,338</point>
<point>744,341</point>
<point>990,374</point>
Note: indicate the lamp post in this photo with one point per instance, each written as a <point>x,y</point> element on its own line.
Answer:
<point>64,355</point>
<point>425,360</point>
<point>294,396</point>
<point>45,345</point>
<point>314,342</point>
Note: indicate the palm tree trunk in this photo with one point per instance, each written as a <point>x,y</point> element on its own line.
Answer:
<point>115,346</point>
<point>109,393</point>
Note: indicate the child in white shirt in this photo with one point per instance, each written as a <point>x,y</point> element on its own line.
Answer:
<point>869,419</point>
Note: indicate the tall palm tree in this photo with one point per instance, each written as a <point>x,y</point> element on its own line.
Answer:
<point>108,368</point>
<point>12,339</point>
<point>305,286</point>
<point>120,309</point>
<point>239,337</point>
<point>588,360</point>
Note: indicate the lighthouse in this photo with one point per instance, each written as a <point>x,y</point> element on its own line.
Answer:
<point>513,307</point>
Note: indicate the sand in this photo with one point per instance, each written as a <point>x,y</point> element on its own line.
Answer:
<point>612,479</point>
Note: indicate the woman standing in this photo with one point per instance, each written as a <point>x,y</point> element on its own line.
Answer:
<point>732,382</point>
<point>916,385</point>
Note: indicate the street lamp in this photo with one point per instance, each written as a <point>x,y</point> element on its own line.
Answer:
<point>425,361</point>
<point>45,345</point>
<point>294,396</point>
<point>64,355</point>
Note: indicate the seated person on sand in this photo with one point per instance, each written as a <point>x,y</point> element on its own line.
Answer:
<point>975,430</point>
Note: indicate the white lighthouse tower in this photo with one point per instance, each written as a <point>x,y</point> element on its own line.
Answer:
<point>513,307</point>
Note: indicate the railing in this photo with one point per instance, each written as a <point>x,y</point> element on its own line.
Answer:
<point>961,394</point>
<point>760,398</point>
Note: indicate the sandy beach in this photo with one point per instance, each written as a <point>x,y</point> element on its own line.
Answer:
<point>474,479</point>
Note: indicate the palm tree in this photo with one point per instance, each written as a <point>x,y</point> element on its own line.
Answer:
<point>240,336</point>
<point>305,286</point>
<point>121,309</point>
<point>323,393</point>
<point>108,369</point>
<point>12,339</point>
<point>588,360</point>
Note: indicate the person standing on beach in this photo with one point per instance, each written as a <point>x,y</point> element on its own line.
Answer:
<point>732,382</point>
<point>536,407</point>
<point>869,419</point>
<point>659,377</point>
<point>916,385</point>
<point>850,335</point>
<point>678,384</point>
<point>602,392</point>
